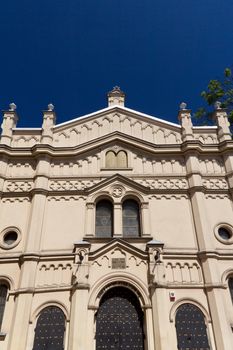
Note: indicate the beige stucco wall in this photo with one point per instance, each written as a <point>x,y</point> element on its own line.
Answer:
<point>50,182</point>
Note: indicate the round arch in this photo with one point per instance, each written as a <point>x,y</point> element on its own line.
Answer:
<point>58,304</point>
<point>118,279</point>
<point>225,276</point>
<point>8,281</point>
<point>179,302</point>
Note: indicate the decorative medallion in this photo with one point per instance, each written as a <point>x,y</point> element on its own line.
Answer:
<point>117,191</point>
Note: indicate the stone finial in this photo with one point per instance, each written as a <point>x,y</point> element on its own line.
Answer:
<point>217,105</point>
<point>183,106</point>
<point>12,107</point>
<point>221,119</point>
<point>185,120</point>
<point>49,120</point>
<point>9,122</point>
<point>116,97</point>
<point>50,107</point>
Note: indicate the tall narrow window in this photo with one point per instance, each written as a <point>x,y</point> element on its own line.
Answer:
<point>110,159</point>
<point>191,328</point>
<point>3,296</point>
<point>230,283</point>
<point>131,219</point>
<point>50,329</point>
<point>122,159</point>
<point>104,219</point>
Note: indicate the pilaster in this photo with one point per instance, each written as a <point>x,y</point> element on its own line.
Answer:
<point>209,262</point>
<point>184,117</point>
<point>117,220</point>
<point>79,300</point>
<point>29,260</point>
<point>49,120</point>
<point>220,116</point>
<point>10,119</point>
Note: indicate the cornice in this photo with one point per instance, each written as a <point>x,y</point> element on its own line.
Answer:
<point>187,147</point>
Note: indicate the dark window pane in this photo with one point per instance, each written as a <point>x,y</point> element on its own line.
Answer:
<point>230,282</point>
<point>191,328</point>
<point>131,220</point>
<point>10,237</point>
<point>224,233</point>
<point>50,329</point>
<point>3,295</point>
<point>104,219</point>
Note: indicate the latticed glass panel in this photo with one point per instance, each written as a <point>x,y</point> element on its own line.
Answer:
<point>119,322</point>
<point>104,219</point>
<point>50,330</point>
<point>131,219</point>
<point>3,296</point>
<point>191,328</point>
<point>230,283</point>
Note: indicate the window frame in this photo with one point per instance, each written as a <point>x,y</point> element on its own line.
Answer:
<point>3,307</point>
<point>107,200</point>
<point>139,225</point>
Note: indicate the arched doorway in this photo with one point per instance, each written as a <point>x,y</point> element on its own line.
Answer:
<point>119,321</point>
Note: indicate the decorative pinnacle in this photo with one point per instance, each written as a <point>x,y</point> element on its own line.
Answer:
<point>12,106</point>
<point>116,91</point>
<point>183,106</point>
<point>50,107</point>
<point>217,105</point>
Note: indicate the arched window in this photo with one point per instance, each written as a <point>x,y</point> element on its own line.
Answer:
<point>122,159</point>
<point>230,284</point>
<point>131,218</point>
<point>50,329</point>
<point>116,160</point>
<point>104,219</point>
<point>191,328</point>
<point>3,296</point>
<point>110,159</point>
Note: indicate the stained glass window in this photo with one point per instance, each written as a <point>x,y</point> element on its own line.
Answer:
<point>131,219</point>
<point>104,219</point>
<point>3,296</point>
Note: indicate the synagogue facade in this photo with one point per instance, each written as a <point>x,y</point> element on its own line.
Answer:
<point>116,232</point>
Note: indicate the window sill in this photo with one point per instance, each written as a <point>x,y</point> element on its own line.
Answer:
<point>116,169</point>
<point>127,239</point>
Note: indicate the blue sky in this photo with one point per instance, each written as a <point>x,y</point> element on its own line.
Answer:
<point>72,52</point>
